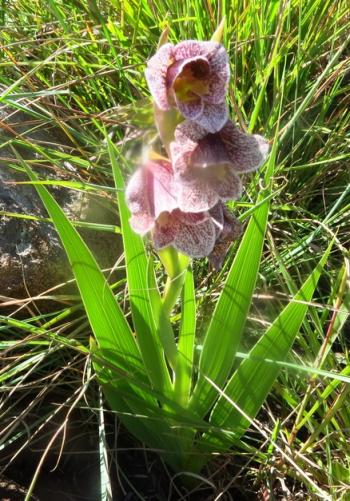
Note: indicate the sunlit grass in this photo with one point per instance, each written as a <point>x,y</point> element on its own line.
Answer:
<point>78,67</point>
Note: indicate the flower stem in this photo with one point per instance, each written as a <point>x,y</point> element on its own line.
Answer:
<point>171,292</point>
<point>175,265</point>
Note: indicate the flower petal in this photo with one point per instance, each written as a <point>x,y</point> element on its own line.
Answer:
<point>214,116</point>
<point>196,67</point>
<point>161,186</point>
<point>232,226</point>
<point>187,135</point>
<point>191,217</point>
<point>136,194</point>
<point>191,109</point>
<point>164,233</point>
<point>195,240</point>
<point>149,193</point>
<point>189,48</point>
<point>156,75</point>
<point>141,223</point>
<point>195,147</point>
<point>188,79</point>
<point>178,229</point>
<point>201,189</point>
<point>218,60</point>
<point>209,151</point>
<point>246,152</point>
<point>217,88</point>
<point>219,75</point>
<point>195,194</point>
<point>189,131</point>
<point>213,51</point>
<point>228,186</point>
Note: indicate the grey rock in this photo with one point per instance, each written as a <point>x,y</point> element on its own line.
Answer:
<point>32,259</point>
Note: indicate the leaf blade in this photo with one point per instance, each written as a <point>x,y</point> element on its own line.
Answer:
<point>137,277</point>
<point>107,321</point>
<point>186,341</point>
<point>230,313</point>
<point>251,382</point>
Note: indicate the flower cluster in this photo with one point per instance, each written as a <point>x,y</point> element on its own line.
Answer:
<point>181,200</point>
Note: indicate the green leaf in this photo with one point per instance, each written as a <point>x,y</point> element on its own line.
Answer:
<point>252,381</point>
<point>141,416</point>
<point>136,268</point>
<point>107,321</point>
<point>123,399</point>
<point>175,265</point>
<point>225,329</point>
<point>162,320</point>
<point>183,377</point>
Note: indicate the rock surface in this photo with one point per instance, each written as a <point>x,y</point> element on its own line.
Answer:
<point>31,257</point>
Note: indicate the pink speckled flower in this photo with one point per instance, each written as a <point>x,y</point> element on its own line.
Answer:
<point>193,77</point>
<point>206,165</point>
<point>150,196</point>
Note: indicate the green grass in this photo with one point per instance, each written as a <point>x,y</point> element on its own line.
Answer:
<point>79,65</point>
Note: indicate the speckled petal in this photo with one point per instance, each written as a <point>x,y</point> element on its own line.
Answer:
<point>218,59</point>
<point>209,151</point>
<point>213,51</point>
<point>164,234</point>
<point>156,75</point>
<point>187,135</point>
<point>214,116</point>
<point>191,217</point>
<point>161,187</point>
<point>189,131</point>
<point>175,70</point>
<point>191,109</point>
<point>219,75</point>
<point>201,189</point>
<point>217,91</point>
<point>195,240</point>
<point>187,49</point>
<point>195,194</point>
<point>246,152</point>
<point>149,193</point>
<point>228,186</point>
<point>136,194</point>
<point>141,223</point>
<point>232,226</point>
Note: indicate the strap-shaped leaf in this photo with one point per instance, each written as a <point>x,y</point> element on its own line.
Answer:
<point>186,341</point>
<point>225,329</point>
<point>107,321</point>
<point>141,308</point>
<point>252,381</point>
<point>161,319</point>
<point>126,398</point>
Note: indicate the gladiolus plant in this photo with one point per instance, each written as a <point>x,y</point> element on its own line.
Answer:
<point>181,391</point>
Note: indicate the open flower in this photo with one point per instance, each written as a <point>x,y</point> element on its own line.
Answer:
<point>206,165</point>
<point>191,76</point>
<point>150,196</point>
